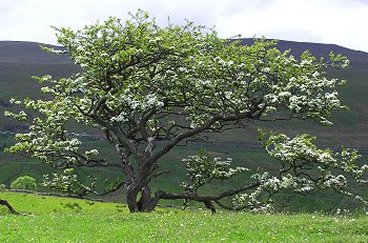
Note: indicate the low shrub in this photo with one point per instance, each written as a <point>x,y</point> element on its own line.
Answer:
<point>24,183</point>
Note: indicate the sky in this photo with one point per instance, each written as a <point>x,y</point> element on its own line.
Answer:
<point>342,22</point>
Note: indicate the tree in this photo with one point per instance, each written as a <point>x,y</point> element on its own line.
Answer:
<point>144,85</point>
<point>24,183</point>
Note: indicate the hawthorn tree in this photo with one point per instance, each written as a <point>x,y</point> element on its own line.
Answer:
<point>142,85</point>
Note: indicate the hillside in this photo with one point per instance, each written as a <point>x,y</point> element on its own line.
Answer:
<point>358,59</point>
<point>52,219</point>
<point>21,60</point>
<point>28,53</point>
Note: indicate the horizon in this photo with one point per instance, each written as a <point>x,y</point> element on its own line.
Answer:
<point>326,22</point>
<point>242,38</point>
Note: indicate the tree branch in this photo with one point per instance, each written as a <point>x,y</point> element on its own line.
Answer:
<point>207,200</point>
<point>183,135</point>
<point>6,204</point>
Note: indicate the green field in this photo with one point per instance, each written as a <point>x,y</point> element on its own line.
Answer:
<point>55,219</point>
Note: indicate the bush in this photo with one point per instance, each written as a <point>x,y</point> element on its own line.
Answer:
<point>2,187</point>
<point>24,183</point>
<point>67,182</point>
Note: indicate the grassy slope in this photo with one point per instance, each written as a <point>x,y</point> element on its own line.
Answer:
<point>53,219</point>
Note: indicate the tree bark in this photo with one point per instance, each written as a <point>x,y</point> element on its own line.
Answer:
<point>131,198</point>
<point>141,200</point>
<point>6,204</point>
<point>208,201</point>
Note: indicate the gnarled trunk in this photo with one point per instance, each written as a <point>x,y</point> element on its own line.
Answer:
<point>131,199</point>
<point>140,199</point>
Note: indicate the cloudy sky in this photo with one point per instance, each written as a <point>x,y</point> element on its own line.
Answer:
<point>342,22</point>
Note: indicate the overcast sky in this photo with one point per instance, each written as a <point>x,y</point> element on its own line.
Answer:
<point>342,22</point>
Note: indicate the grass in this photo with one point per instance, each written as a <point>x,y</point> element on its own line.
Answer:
<point>55,219</point>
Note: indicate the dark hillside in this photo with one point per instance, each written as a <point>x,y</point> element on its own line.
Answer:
<point>358,59</point>
<point>28,52</point>
<point>19,61</point>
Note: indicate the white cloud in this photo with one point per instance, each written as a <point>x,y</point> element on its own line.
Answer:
<point>329,21</point>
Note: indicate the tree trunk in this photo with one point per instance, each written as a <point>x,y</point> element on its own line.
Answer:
<point>131,198</point>
<point>147,203</point>
<point>139,199</point>
<point>6,204</point>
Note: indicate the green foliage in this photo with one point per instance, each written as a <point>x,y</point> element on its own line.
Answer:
<point>204,168</point>
<point>135,68</point>
<point>2,187</point>
<point>24,183</point>
<point>140,83</point>
<point>67,182</point>
<point>303,168</point>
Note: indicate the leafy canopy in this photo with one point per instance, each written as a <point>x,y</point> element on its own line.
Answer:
<point>140,84</point>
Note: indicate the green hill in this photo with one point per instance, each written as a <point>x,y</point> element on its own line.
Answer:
<point>55,219</point>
